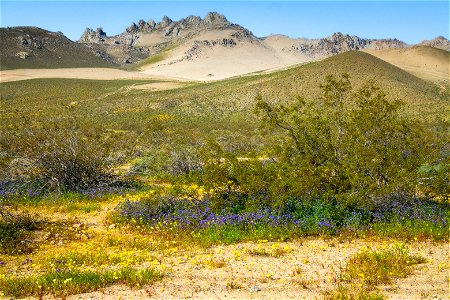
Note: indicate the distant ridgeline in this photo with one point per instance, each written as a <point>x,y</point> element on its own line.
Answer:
<point>32,47</point>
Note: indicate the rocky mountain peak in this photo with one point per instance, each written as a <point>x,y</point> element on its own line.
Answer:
<point>166,21</point>
<point>215,18</point>
<point>191,21</point>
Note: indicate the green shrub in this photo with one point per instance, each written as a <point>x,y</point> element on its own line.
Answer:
<point>67,156</point>
<point>15,229</point>
<point>350,146</point>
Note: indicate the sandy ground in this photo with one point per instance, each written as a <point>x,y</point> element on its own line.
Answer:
<point>78,73</point>
<point>424,62</point>
<point>307,271</point>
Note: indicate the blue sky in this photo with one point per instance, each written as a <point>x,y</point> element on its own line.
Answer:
<point>410,21</point>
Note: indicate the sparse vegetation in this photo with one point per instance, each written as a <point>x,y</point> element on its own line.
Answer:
<point>67,282</point>
<point>369,269</point>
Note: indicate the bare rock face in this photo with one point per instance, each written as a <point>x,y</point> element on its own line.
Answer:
<point>132,28</point>
<point>439,42</point>
<point>151,24</point>
<point>93,36</point>
<point>191,22</point>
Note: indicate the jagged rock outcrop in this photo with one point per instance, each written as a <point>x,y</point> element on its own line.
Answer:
<point>338,43</point>
<point>93,36</point>
<point>132,28</point>
<point>215,19</point>
<point>167,27</point>
<point>385,44</point>
<point>439,42</point>
<point>124,47</point>
<point>192,22</point>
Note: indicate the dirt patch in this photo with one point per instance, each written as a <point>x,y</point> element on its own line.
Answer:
<point>72,73</point>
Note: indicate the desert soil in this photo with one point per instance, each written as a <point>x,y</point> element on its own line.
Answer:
<point>246,276</point>
<point>74,73</point>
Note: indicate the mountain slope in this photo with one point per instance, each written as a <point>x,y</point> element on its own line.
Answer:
<point>32,47</point>
<point>226,53</point>
<point>219,54</point>
<point>423,61</point>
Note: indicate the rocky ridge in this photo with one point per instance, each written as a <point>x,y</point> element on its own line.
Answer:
<point>338,43</point>
<point>191,35</point>
<point>125,46</point>
<point>440,42</point>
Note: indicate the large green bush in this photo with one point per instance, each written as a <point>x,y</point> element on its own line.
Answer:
<point>350,145</point>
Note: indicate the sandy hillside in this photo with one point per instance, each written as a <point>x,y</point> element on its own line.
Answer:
<point>423,61</point>
<point>78,73</point>
<point>205,58</point>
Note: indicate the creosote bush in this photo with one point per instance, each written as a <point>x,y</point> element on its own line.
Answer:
<point>350,145</point>
<point>67,156</point>
<point>15,229</point>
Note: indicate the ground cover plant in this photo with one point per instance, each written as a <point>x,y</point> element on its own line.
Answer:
<point>199,221</point>
<point>370,268</point>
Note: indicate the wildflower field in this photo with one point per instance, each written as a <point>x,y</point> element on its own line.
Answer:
<point>147,244</point>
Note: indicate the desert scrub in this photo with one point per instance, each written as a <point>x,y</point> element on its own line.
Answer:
<point>370,268</point>
<point>65,156</point>
<point>68,282</point>
<point>16,227</point>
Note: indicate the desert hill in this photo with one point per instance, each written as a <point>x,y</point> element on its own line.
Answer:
<point>148,38</point>
<point>423,61</point>
<point>422,97</point>
<point>32,47</point>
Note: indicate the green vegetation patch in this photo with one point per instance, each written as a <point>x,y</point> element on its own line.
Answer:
<point>370,268</point>
<point>67,282</point>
